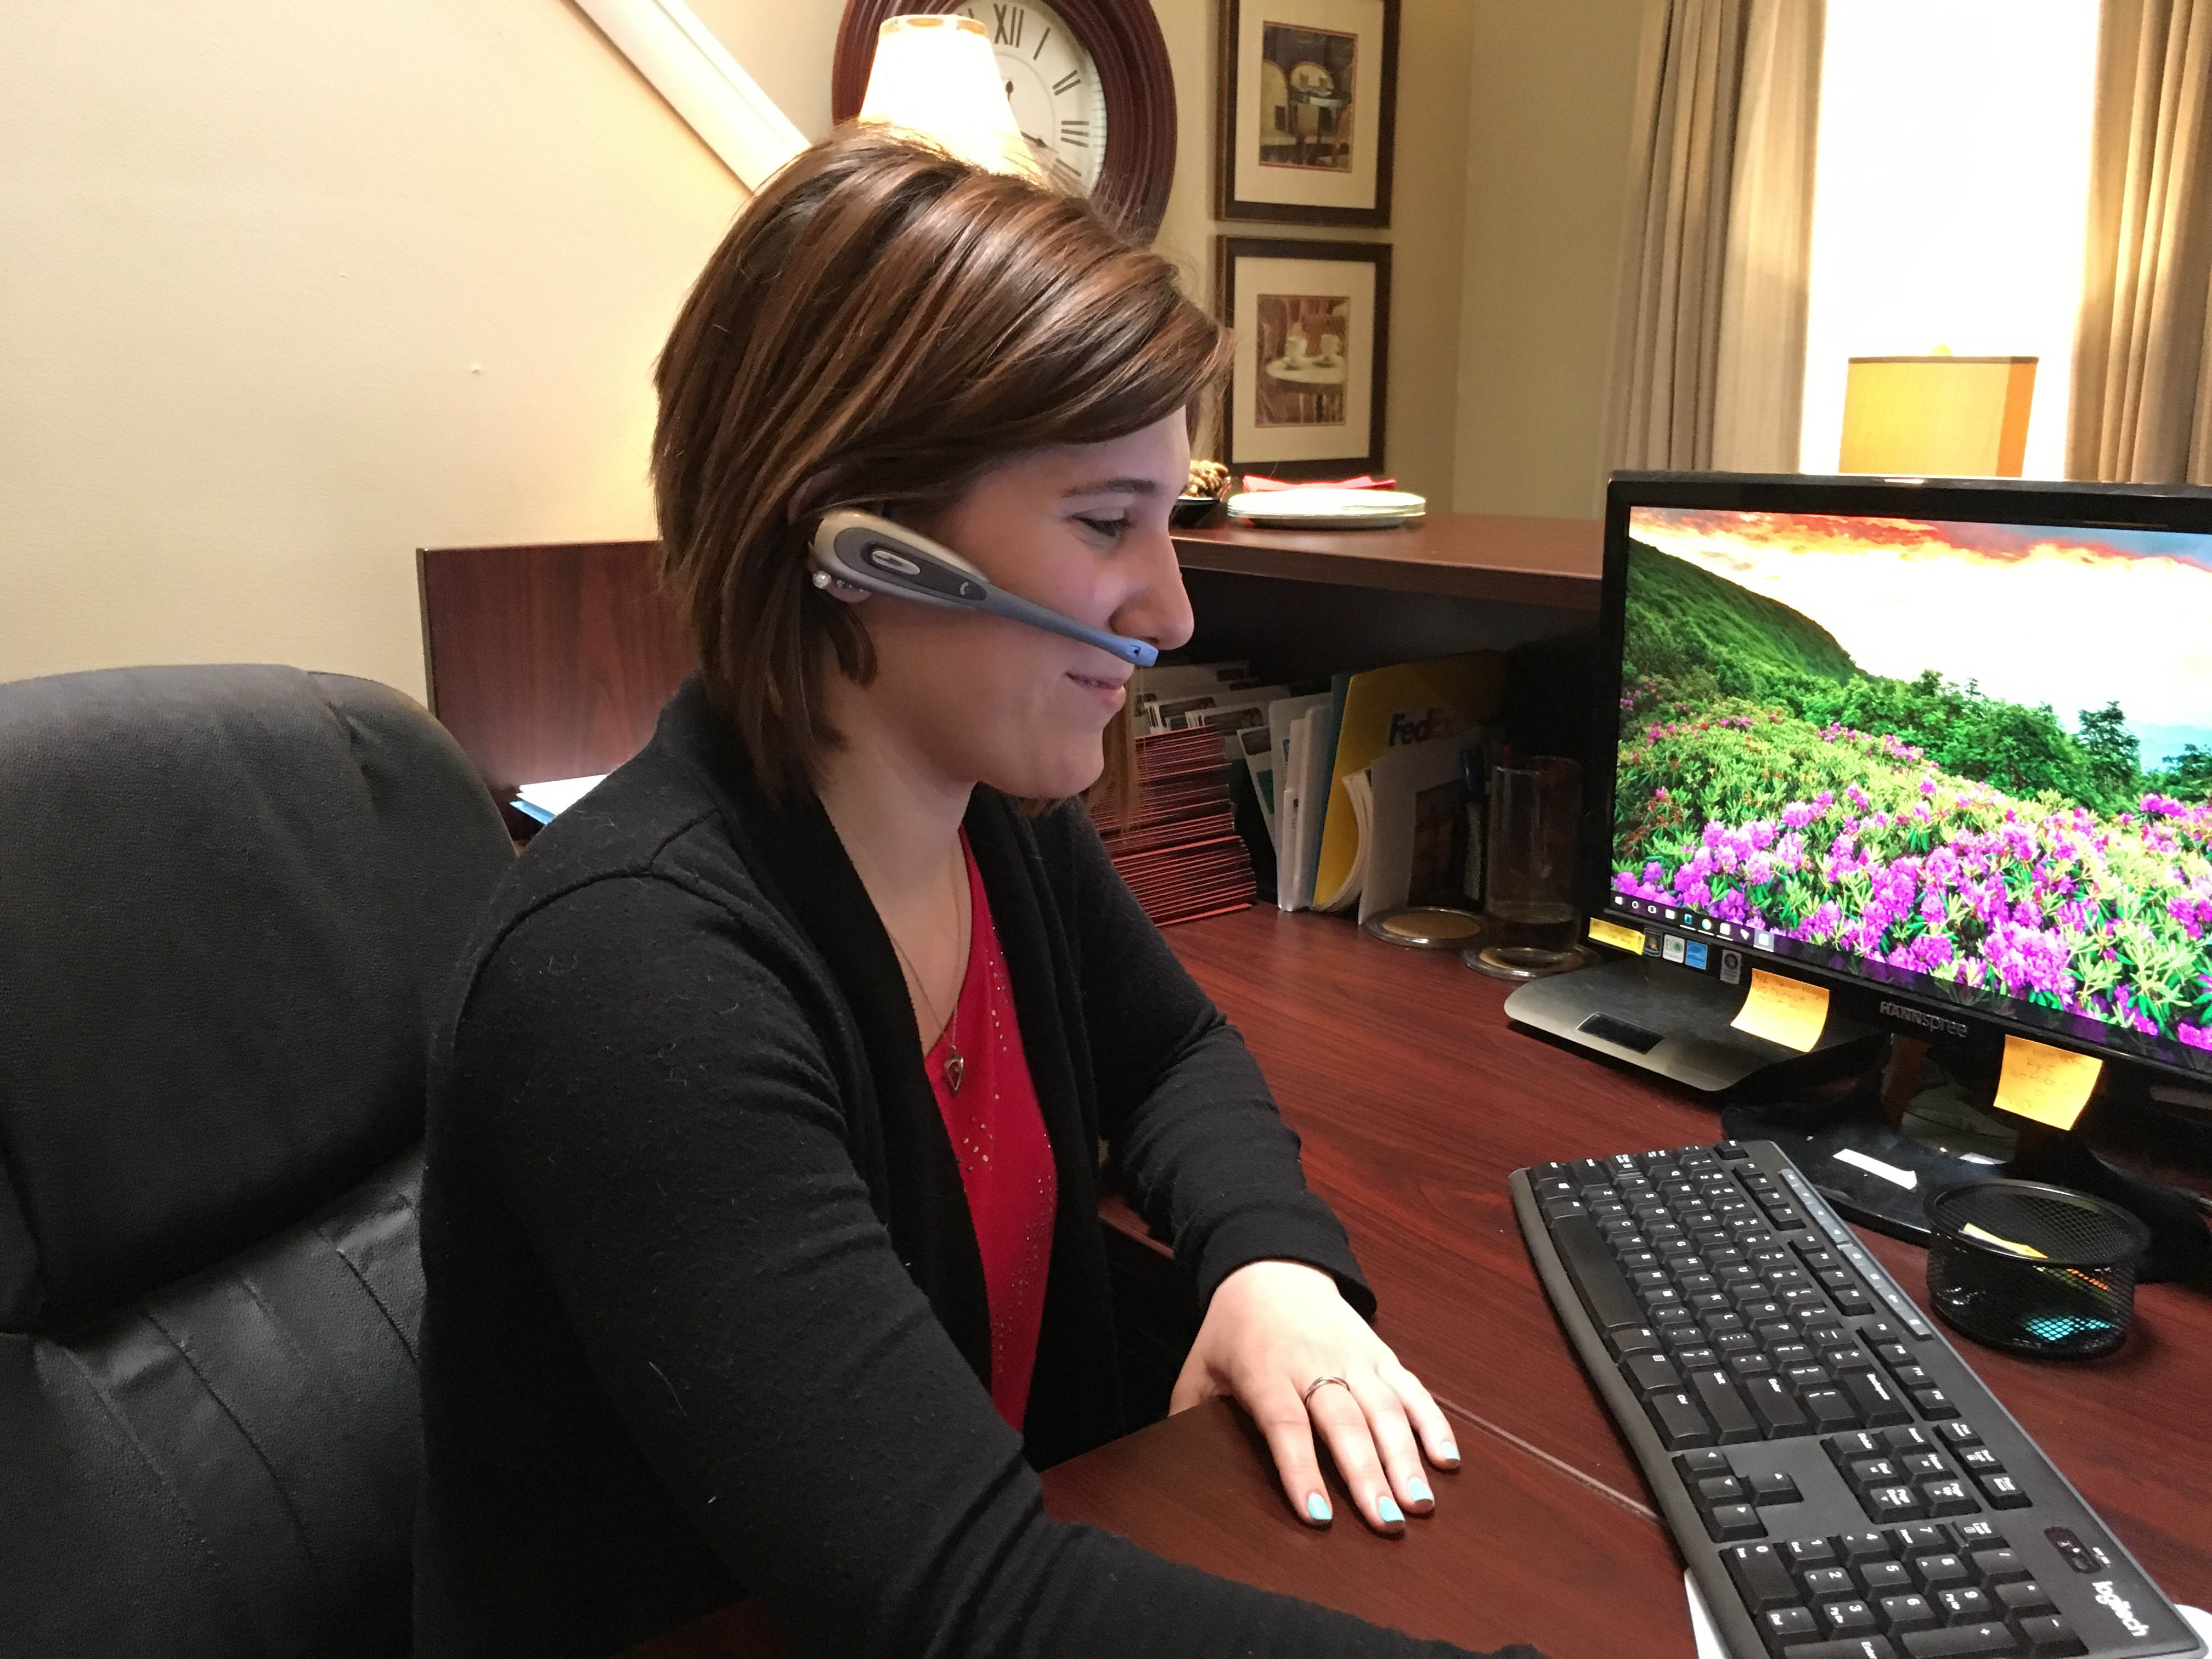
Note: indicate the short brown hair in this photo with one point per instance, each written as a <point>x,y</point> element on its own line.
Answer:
<point>882,323</point>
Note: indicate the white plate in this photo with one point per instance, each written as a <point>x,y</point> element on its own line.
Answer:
<point>1328,509</point>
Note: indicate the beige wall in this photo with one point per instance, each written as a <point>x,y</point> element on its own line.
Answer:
<point>1548,116</point>
<point>292,289</point>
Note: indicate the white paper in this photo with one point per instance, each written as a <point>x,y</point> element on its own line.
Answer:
<point>559,795</point>
<point>1395,782</point>
<point>1874,1166</point>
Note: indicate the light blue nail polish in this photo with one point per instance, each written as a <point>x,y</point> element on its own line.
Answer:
<point>1417,1491</point>
<point>1387,1507</point>
<point>1447,1452</point>
<point>1317,1507</point>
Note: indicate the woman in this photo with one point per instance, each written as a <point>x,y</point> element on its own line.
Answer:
<point>760,1223</point>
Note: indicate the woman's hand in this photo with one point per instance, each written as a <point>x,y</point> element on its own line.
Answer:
<point>1276,1328</point>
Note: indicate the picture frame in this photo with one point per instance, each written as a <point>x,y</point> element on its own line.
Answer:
<point>1309,383</point>
<point>1307,105</point>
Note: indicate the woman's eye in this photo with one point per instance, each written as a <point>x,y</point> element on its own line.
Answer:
<point>1109,528</point>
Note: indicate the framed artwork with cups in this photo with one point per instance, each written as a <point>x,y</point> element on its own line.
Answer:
<point>1308,105</point>
<point>1308,382</point>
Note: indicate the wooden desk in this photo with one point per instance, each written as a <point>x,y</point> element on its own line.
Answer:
<point>1415,1099</point>
<point>1481,556</point>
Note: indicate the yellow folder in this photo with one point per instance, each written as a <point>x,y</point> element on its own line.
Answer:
<point>1383,707</point>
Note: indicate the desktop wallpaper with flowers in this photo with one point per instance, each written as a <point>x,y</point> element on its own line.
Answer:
<point>1981,753</point>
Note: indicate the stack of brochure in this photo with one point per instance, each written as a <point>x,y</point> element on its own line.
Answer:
<point>1180,853</point>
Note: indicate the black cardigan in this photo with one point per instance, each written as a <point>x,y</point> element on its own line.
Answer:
<point>706,1316</point>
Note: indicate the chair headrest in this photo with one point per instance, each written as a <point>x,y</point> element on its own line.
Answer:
<point>228,897</point>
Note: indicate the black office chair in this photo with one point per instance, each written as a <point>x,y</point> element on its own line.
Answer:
<point>228,897</point>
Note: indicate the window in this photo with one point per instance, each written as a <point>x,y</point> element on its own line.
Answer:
<point>1950,196</point>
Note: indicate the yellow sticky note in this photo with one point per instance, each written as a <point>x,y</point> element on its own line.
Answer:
<point>1630,939</point>
<point>1785,1011</point>
<point>1971,1231</point>
<point>2051,1085</point>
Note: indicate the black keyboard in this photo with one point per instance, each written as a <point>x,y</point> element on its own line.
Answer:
<point>1840,1482</point>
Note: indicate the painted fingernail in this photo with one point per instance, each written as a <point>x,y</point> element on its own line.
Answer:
<point>1449,1452</point>
<point>1417,1491</point>
<point>1317,1509</point>
<point>1387,1507</point>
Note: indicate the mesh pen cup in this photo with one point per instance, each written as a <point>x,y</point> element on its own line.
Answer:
<point>2038,1270</point>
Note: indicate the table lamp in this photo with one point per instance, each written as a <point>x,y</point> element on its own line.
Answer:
<point>935,76</point>
<point>1937,416</point>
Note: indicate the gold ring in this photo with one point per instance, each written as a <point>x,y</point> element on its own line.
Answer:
<point>1322,1382</point>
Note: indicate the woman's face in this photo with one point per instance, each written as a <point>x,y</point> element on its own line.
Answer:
<point>1081,529</point>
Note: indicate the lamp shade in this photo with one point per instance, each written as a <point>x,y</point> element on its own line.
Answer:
<point>935,76</point>
<point>1938,416</point>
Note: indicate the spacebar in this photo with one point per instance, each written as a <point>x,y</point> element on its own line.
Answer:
<point>1596,1275</point>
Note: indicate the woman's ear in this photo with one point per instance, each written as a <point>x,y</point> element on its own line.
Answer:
<point>818,488</point>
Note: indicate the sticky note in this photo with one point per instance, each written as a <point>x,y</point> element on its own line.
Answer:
<point>1613,934</point>
<point>2051,1085</point>
<point>1971,1231</point>
<point>1785,1011</point>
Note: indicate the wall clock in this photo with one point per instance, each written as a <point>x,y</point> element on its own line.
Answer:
<point>1089,82</point>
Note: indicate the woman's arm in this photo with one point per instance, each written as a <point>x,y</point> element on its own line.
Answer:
<point>1209,1162</point>
<point>656,1111</point>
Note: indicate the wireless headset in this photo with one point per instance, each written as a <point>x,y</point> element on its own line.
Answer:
<point>861,550</point>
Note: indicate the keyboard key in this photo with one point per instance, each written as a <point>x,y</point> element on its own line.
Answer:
<point>1650,1374</point>
<point>1760,1576</point>
<point>1858,1547</point>
<point>1724,1406</point>
<point>1696,1358</point>
<point>1556,1186</point>
<point>1827,1408</point>
<point>1900,1613</point>
<point>2022,1598</point>
<point>1741,1365</point>
<point>1979,1460</point>
<point>1696,1465</point>
<point>1720,1489</point>
<point>1874,1472</point>
<point>1913,1380</point>
<point>1848,1618</point>
<point>1966,1607</point>
<point>1998,1566</point>
<point>1961,1642</point>
<point>1925,1465</point>
<point>1922,1540</point>
<point>1873,1398</point>
<point>1776,1413</point>
<point>1885,1578</point>
<point>1977,1534</point>
<point>1947,1497</point>
<point>1910,1439</point>
<point>1824,1582</point>
<point>2050,1638</point>
<point>1773,1486</point>
<point>1959,1433</point>
<point>1728,1521</point>
<point>1787,1626</point>
<point>1937,1573</point>
<point>1933,1403</point>
<point>1847,1359</point>
<point>1851,1647</point>
<point>1890,1502</point>
<point>1846,1449</point>
<point>1678,1421</point>
<point>2001,1491</point>
<point>1631,1339</point>
<point>1803,1554</point>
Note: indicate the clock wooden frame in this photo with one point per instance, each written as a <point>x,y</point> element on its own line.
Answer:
<point>1123,39</point>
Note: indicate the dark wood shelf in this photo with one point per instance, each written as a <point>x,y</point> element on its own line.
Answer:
<point>1517,560</point>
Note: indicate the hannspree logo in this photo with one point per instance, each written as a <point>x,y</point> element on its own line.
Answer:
<point>2122,1609</point>
<point>1925,1022</point>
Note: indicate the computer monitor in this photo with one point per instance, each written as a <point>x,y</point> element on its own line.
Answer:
<point>1943,747</point>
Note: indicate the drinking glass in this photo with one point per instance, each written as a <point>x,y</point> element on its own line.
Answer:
<point>1535,819</point>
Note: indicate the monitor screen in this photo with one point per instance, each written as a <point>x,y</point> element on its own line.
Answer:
<point>1966,760</point>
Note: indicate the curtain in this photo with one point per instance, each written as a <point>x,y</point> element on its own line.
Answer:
<point>2141,409</point>
<point>1709,343</point>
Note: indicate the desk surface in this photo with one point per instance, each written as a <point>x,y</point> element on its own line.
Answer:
<point>1415,1099</point>
<point>1483,555</point>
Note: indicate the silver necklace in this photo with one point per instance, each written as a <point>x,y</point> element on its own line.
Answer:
<point>955,1064</point>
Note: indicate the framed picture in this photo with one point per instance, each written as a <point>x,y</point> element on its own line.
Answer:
<point>1308,102</point>
<point>1309,377</point>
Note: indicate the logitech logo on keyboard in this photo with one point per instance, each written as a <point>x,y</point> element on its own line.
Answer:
<point>1925,1022</point>
<point>2122,1608</point>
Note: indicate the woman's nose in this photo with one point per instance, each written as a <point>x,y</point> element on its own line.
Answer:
<point>1157,610</point>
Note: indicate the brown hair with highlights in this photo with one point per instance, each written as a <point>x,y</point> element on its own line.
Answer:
<point>882,323</point>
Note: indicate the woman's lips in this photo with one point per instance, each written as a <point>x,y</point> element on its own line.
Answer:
<point>1110,693</point>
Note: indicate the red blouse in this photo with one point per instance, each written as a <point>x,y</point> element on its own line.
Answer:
<point>981,1078</point>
